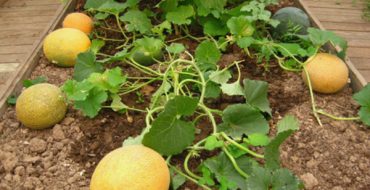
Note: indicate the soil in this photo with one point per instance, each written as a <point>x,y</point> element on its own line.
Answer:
<point>335,156</point>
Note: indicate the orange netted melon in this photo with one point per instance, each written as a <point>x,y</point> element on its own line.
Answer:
<point>41,106</point>
<point>328,73</point>
<point>62,46</point>
<point>133,167</point>
<point>79,21</point>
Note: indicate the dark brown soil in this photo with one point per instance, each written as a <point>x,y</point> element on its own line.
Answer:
<point>335,156</point>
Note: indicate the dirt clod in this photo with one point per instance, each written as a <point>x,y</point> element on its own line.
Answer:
<point>37,145</point>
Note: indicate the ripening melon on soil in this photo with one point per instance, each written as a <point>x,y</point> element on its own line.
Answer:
<point>62,46</point>
<point>133,167</point>
<point>79,21</point>
<point>328,73</point>
<point>41,106</point>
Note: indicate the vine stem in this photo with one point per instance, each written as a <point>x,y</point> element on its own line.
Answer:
<point>127,108</point>
<point>336,117</point>
<point>241,147</point>
<point>236,166</point>
<point>312,96</point>
<point>188,177</point>
<point>186,166</point>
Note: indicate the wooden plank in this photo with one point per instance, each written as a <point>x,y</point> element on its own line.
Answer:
<point>26,27</point>
<point>366,74</point>
<point>14,85</point>
<point>357,79</point>
<point>5,15</point>
<point>358,43</point>
<point>9,67</point>
<point>341,18</point>
<point>15,49</point>
<point>354,35</point>
<point>29,8</point>
<point>358,52</point>
<point>12,3</point>
<point>341,26</point>
<point>333,11</point>
<point>325,4</point>
<point>10,58</point>
<point>18,41</point>
<point>25,20</point>
<point>4,34</point>
<point>361,63</point>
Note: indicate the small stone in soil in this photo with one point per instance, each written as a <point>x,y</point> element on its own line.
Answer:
<point>38,145</point>
<point>58,133</point>
<point>309,180</point>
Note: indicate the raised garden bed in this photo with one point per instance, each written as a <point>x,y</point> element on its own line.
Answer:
<point>333,155</point>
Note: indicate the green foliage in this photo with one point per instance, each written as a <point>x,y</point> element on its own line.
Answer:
<point>255,92</point>
<point>136,21</point>
<point>11,100</point>
<point>362,98</point>
<point>180,15</point>
<point>207,55</point>
<point>86,64</point>
<point>30,82</point>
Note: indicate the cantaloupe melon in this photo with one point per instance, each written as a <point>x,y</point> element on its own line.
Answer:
<point>79,21</point>
<point>328,73</point>
<point>62,46</point>
<point>133,167</point>
<point>41,106</point>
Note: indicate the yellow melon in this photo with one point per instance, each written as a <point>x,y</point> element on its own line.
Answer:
<point>41,106</point>
<point>133,167</point>
<point>328,73</point>
<point>78,21</point>
<point>62,46</point>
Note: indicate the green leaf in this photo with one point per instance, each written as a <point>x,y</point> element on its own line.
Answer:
<point>284,179</point>
<point>96,45</point>
<point>136,21</point>
<point>243,119</point>
<point>133,140</point>
<point>92,104</point>
<point>117,104</point>
<point>240,26</point>
<point>85,65</point>
<point>176,179</point>
<point>207,55</point>
<point>220,77</point>
<point>206,7</point>
<point>264,178</point>
<point>207,178</point>
<point>320,37</point>
<point>77,91</point>
<point>215,27</point>
<point>258,139</point>
<point>93,4</point>
<point>101,16</point>
<point>169,135</point>
<point>181,105</point>
<point>181,15</point>
<point>286,127</point>
<point>260,179</point>
<point>232,89</point>
<point>11,100</point>
<point>112,7</point>
<point>40,79</point>
<point>289,122</point>
<point>168,5</point>
<point>288,49</point>
<point>115,77</point>
<point>245,42</point>
<point>213,90</point>
<point>161,28</point>
<point>111,80</point>
<point>364,114</point>
<point>223,169</point>
<point>362,97</point>
<point>175,48</point>
<point>255,92</point>
<point>212,143</point>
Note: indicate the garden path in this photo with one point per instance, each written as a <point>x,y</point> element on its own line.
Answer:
<point>22,25</point>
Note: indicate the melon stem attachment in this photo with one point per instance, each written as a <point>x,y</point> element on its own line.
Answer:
<point>336,117</point>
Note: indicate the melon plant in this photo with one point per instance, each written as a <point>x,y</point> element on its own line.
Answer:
<point>41,106</point>
<point>147,50</point>
<point>62,46</point>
